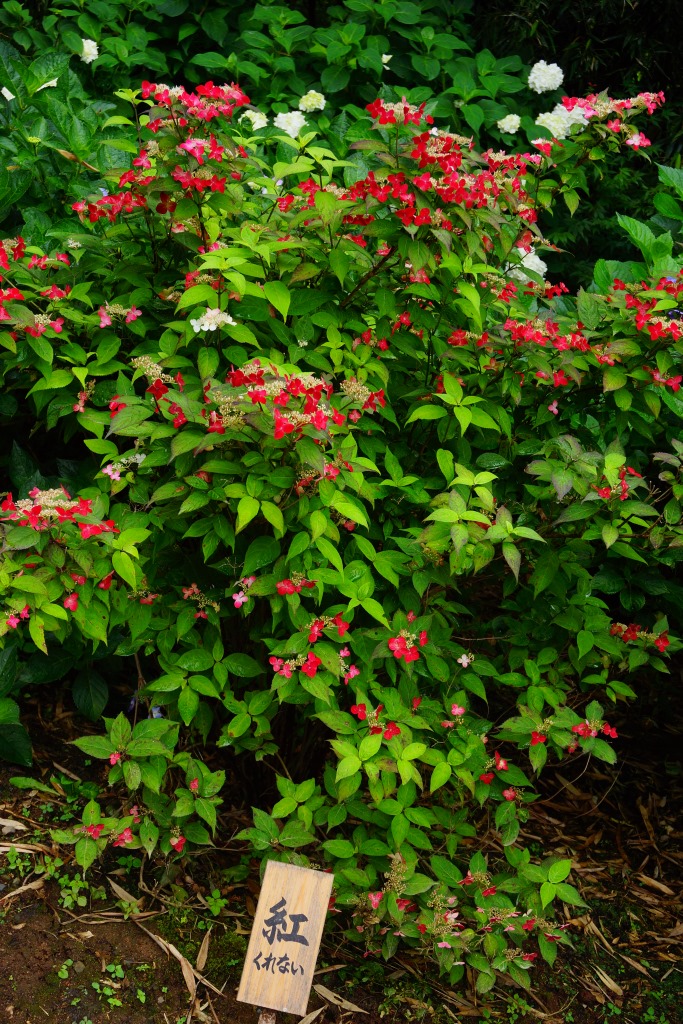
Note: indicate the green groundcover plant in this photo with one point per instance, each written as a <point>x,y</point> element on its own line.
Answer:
<point>364,496</point>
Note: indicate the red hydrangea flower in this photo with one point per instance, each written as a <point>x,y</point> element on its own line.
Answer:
<point>124,837</point>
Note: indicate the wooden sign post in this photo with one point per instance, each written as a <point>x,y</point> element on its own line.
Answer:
<point>284,943</point>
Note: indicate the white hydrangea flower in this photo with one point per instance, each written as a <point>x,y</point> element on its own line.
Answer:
<point>509,124</point>
<point>530,261</point>
<point>90,51</point>
<point>211,320</point>
<point>291,123</point>
<point>7,94</point>
<point>386,57</point>
<point>559,120</point>
<point>545,77</point>
<point>255,118</point>
<point>312,101</point>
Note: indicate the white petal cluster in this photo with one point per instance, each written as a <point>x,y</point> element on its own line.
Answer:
<point>312,101</point>
<point>7,94</point>
<point>530,261</point>
<point>559,120</point>
<point>386,57</point>
<point>255,118</point>
<point>291,123</point>
<point>510,124</point>
<point>545,77</point>
<point>89,51</point>
<point>48,85</point>
<point>211,320</point>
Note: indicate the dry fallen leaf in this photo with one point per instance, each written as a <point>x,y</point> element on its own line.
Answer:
<point>654,884</point>
<point>312,1016</point>
<point>37,884</point>
<point>122,894</point>
<point>203,951</point>
<point>185,964</point>
<point>10,825</point>
<point>336,1000</point>
<point>606,980</point>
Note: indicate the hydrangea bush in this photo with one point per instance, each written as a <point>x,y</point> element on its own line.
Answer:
<point>345,487</point>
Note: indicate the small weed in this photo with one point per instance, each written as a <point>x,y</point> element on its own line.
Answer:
<point>106,993</point>
<point>63,971</point>
<point>140,993</point>
<point>517,1009</point>
<point>129,864</point>
<point>216,902</point>
<point>18,863</point>
<point>115,970</point>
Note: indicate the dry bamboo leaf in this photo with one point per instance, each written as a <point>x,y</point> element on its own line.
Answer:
<point>65,771</point>
<point>119,891</point>
<point>592,929</point>
<point>310,1017</point>
<point>24,848</point>
<point>183,961</point>
<point>654,884</point>
<point>635,965</point>
<point>606,980</point>
<point>336,1000</point>
<point>37,884</point>
<point>10,825</point>
<point>203,951</point>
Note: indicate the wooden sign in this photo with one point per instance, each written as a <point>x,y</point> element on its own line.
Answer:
<point>284,943</point>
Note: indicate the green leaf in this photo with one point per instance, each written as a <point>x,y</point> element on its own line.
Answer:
<point>559,870</point>
<point>548,893</point>
<point>95,746</point>
<point>369,746</point>
<point>347,766</point>
<point>132,774</point>
<point>206,810</point>
<point>349,510</point>
<point>247,509</point>
<point>188,704</point>
<point>440,776</point>
<point>340,849</point>
<point>610,534</point>
<point>90,693</point>
<point>446,872</point>
<point>513,558</point>
<point>413,751</point>
<point>149,836</point>
<point>242,665</point>
<point>568,894</point>
<point>15,745</point>
<point>273,515</point>
<point>427,412</point>
<point>198,660</point>
<point>278,295</point>
<point>585,642</point>
<point>262,551</point>
<point>86,852</point>
<point>124,566</point>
